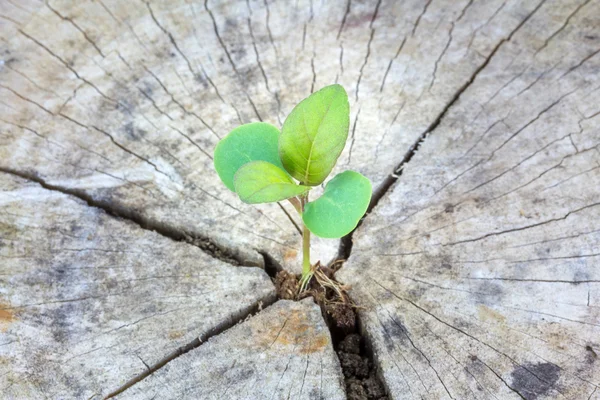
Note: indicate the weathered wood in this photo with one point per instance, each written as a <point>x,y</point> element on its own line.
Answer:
<point>88,301</point>
<point>284,352</point>
<point>479,270</point>
<point>125,101</point>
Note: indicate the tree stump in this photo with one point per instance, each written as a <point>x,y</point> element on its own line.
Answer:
<point>479,271</point>
<point>284,352</point>
<point>477,122</point>
<point>89,301</point>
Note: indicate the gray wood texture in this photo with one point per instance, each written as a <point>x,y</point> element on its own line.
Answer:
<point>477,273</point>
<point>125,101</point>
<point>90,301</point>
<point>284,352</point>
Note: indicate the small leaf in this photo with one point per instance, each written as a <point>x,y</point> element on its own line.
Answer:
<point>263,182</point>
<point>246,143</point>
<point>314,135</point>
<point>337,212</point>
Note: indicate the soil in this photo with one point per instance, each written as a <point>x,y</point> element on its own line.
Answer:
<point>337,306</point>
<point>362,382</point>
<point>286,285</point>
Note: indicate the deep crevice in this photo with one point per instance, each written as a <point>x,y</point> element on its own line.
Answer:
<point>220,328</point>
<point>361,376</point>
<point>136,217</point>
<point>346,243</point>
<point>272,266</point>
<point>366,351</point>
<point>353,348</point>
<point>345,246</point>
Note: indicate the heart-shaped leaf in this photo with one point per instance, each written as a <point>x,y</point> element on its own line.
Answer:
<point>337,212</point>
<point>246,143</point>
<point>263,182</point>
<point>314,135</point>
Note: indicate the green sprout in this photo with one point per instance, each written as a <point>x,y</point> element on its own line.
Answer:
<point>262,165</point>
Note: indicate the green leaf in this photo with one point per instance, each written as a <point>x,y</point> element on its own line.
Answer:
<point>314,134</point>
<point>263,182</point>
<point>337,212</point>
<point>246,143</point>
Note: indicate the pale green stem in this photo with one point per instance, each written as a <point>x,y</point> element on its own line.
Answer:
<point>305,252</point>
<point>305,246</point>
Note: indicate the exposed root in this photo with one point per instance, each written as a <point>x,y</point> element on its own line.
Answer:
<point>305,280</point>
<point>337,264</point>
<point>332,297</point>
<point>330,283</point>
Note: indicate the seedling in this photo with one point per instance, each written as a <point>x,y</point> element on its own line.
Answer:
<point>262,165</point>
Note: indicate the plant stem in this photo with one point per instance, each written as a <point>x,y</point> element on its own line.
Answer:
<point>305,252</point>
<point>305,246</point>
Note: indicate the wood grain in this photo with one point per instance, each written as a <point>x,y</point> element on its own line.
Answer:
<point>124,102</point>
<point>479,270</point>
<point>284,352</point>
<point>89,301</point>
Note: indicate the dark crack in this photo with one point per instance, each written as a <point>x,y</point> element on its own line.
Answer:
<point>138,218</point>
<point>85,35</point>
<point>218,329</point>
<point>416,25</point>
<point>69,67</point>
<point>348,5</point>
<point>345,246</point>
<point>171,38</point>
<point>366,60</point>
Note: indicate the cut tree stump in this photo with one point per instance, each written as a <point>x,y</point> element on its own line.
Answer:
<point>90,301</point>
<point>476,120</point>
<point>479,271</point>
<point>284,352</point>
<point>125,101</point>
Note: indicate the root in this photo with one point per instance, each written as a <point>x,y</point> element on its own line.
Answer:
<point>330,294</point>
<point>324,281</point>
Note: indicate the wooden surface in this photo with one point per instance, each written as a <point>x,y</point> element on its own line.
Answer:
<point>90,301</point>
<point>126,101</point>
<point>477,271</point>
<point>284,352</point>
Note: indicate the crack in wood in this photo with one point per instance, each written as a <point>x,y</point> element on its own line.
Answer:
<point>217,330</point>
<point>138,218</point>
<point>345,246</point>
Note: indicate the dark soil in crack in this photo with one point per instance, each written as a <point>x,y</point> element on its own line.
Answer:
<point>362,382</point>
<point>286,285</point>
<point>360,374</point>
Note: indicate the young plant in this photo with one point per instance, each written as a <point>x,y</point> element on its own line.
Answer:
<point>262,165</point>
